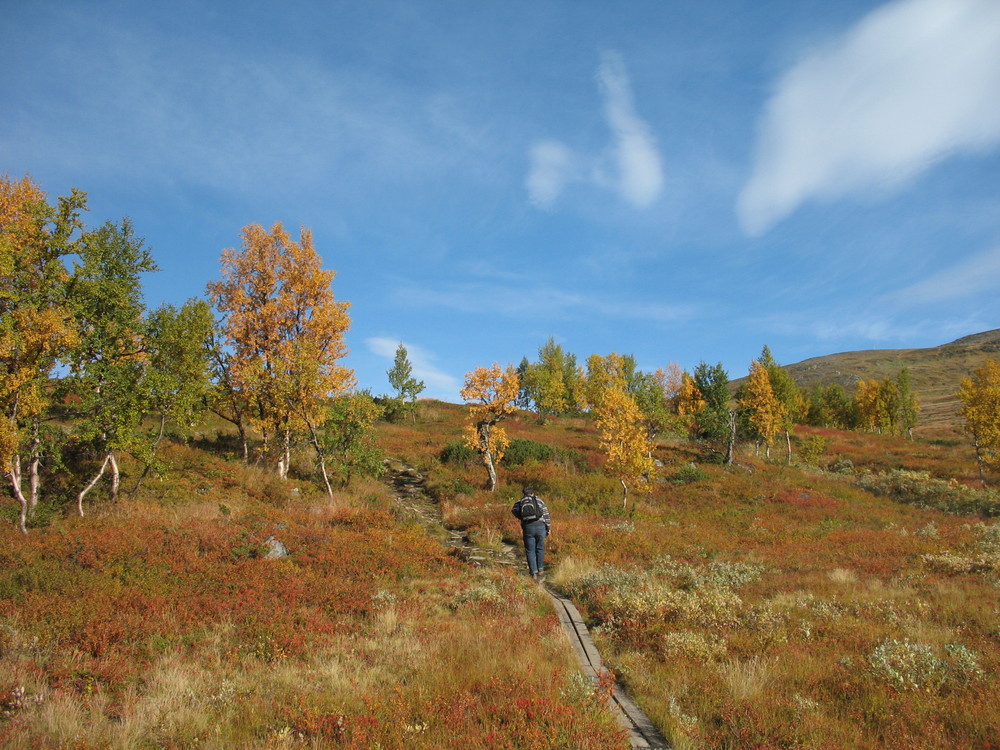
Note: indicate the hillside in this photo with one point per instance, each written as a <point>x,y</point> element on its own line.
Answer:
<point>761,606</point>
<point>935,371</point>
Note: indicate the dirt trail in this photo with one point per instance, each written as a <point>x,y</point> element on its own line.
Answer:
<point>410,496</point>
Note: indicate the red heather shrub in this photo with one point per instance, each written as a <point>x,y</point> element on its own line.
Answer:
<point>803,499</point>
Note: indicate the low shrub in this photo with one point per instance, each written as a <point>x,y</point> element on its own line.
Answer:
<point>458,452</point>
<point>911,666</point>
<point>717,574</point>
<point>694,646</point>
<point>811,448</point>
<point>841,465</point>
<point>922,490</point>
<point>522,451</point>
<point>688,474</point>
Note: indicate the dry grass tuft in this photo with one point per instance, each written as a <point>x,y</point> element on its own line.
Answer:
<point>749,680</point>
<point>843,576</point>
<point>572,569</point>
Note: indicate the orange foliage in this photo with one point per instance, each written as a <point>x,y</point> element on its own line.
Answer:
<point>285,329</point>
<point>493,393</point>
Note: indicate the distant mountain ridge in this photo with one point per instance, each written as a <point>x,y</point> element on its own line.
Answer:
<point>935,372</point>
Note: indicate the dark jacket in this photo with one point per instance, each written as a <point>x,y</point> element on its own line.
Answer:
<point>546,518</point>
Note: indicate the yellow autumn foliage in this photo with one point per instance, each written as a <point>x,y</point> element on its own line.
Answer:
<point>624,439</point>
<point>493,393</point>
<point>980,408</point>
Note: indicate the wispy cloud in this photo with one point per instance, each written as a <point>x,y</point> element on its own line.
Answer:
<point>979,274</point>
<point>632,167</point>
<point>876,326</point>
<point>546,302</point>
<point>206,111</point>
<point>553,165</point>
<point>912,83</point>
<point>422,361</point>
<point>888,332</point>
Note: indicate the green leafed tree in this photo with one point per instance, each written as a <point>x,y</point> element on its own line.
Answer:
<point>715,422</point>
<point>109,361</point>
<point>830,406</point>
<point>401,379</point>
<point>650,393</point>
<point>552,384</point>
<point>347,437</point>
<point>177,380</point>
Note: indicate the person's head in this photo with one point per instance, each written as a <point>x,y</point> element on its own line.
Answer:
<point>527,491</point>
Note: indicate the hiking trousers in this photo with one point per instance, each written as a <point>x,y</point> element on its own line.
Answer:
<point>534,545</point>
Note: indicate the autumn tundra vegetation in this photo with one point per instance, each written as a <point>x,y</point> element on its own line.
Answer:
<point>199,547</point>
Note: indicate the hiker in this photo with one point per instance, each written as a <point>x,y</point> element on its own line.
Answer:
<point>536,524</point>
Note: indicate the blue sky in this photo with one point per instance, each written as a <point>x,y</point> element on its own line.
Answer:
<point>680,181</point>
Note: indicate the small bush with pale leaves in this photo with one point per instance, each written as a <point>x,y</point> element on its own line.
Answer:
<point>908,665</point>
<point>717,574</point>
<point>698,647</point>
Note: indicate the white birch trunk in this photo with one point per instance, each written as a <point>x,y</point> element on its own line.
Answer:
<point>90,485</point>
<point>14,475</point>
<point>116,477</point>
<point>33,474</point>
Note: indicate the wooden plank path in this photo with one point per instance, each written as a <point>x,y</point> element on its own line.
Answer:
<point>642,733</point>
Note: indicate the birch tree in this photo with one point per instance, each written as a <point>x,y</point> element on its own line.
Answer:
<point>625,440</point>
<point>715,422</point>
<point>493,394</point>
<point>284,333</point>
<point>176,380</point>
<point>980,409</point>
<point>546,381</point>
<point>866,402</point>
<point>109,361</point>
<point>347,437</point>
<point>688,401</point>
<point>764,412</point>
<point>553,384</point>
<point>788,394</point>
<point>35,321</point>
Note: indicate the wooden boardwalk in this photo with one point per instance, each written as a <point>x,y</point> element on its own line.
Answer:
<point>642,733</point>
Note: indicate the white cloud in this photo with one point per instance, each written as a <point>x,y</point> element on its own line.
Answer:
<point>633,168</point>
<point>422,361</point>
<point>639,172</point>
<point>912,83</point>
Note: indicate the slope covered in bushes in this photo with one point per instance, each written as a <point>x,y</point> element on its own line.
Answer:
<point>760,605</point>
